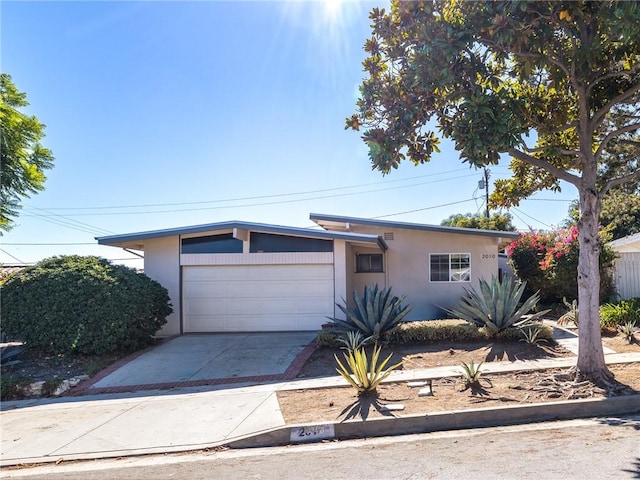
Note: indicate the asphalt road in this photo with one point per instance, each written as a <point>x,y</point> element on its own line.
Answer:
<point>604,448</point>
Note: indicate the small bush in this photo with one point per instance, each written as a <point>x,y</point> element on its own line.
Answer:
<point>373,315</point>
<point>432,331</point>
<point>496,306</point>
<point>86,305</point>
<point>614,314</point>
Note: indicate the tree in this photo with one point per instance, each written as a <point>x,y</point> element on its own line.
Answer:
<point>22,158</point>
<point>620,215</point>
<point>497,221</point>
<point>552,84</point>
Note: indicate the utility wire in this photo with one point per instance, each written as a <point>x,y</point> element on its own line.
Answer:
<point>258,204</point>
<point>532,218</point>
<point>261,196</point>
<point>12,256</point>
<point>72,223</point>
<point>425,208</point>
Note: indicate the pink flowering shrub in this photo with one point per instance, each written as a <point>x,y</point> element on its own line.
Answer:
<point>548,261</point>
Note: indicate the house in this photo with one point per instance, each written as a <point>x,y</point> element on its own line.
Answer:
<point>241,276</point>
<point>627,266</point>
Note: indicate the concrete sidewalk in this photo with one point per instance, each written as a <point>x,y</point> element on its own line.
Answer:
<point>144,422</point>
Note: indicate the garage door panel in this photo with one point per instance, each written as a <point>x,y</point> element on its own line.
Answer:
<point>257,297</point>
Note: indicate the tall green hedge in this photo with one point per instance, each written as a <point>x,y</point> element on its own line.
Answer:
<point>87,305</point>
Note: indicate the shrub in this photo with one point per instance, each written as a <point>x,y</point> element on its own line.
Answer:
<point>373,315</point>
<point>87,305</point>
<point>362,374</point>
<point>614,314</point>
<point>496,306</point>
<point>548,262</point>
<point>432,331</point>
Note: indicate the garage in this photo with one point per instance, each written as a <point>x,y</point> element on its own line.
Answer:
<point>245,298</point>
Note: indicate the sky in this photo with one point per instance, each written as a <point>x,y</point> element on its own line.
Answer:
<point>165,114</point>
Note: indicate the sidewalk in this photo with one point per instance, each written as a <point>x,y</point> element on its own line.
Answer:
<point>144,422</point>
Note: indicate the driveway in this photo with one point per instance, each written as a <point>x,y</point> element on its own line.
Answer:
<point>209,359</point>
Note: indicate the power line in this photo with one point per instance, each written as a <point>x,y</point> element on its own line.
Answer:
<point>12,256</point>
<point>532,218</point>
<point>261,204</point>
<point>260,196</point>
<point>423,209</point>
<point>72,223</point>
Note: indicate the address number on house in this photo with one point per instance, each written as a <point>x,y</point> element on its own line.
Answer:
<point>312,433</point>
<point>486,256</point>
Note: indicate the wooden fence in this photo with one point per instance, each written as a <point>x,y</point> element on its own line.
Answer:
<point>627,275</point>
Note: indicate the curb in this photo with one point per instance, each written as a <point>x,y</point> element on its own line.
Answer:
<point>442,421</point>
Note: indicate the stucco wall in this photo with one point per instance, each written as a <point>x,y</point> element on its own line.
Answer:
<point>162,263</point>
<point>407,266</point>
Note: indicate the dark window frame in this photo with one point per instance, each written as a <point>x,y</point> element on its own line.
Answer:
<point>371,267</point>
<point>211,244</point>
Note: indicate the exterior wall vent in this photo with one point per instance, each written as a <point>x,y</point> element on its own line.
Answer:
<point>388,235</point>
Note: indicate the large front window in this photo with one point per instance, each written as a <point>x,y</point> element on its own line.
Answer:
<point>450,267</point>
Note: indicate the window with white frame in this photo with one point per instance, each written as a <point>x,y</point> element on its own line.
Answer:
<point>450,267</point>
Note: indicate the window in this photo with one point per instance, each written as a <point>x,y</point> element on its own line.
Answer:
<point>450,267</point>
<point>368,262</point>
<point>266,242</point>
<point>224,243</point>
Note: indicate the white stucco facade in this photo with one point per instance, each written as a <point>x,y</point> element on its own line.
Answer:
<point>258,289</point>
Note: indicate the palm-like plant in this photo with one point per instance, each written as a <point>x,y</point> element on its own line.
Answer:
<point>496,305</point>
<point>362,374</point>
<point>376,313</point>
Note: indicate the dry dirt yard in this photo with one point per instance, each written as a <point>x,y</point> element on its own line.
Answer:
<point>338,404</point>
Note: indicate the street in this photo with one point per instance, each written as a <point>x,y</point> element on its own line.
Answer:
<point>582,449</point>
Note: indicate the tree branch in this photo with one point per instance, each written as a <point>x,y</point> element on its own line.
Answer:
<point>536,162</point>
<point>635,69</point>
<point>614,134</point>
<point>619,181</point>
<point>599,116</point>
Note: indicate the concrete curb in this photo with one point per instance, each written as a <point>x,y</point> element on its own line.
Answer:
<point>441,421</point>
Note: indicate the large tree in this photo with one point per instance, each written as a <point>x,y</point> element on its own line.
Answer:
<point>22,158</point>
<point>552,84</point>
<point>497,221</point>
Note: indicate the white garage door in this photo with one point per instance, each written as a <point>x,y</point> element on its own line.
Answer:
<point>246,298</point>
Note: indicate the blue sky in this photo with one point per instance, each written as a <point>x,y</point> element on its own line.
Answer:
<point>165,114</point>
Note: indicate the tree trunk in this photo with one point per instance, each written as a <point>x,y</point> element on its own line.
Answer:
<point>591,364</point>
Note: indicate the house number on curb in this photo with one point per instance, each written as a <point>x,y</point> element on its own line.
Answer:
<point>312,432</point>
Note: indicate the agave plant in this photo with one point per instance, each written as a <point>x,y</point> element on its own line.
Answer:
<point>376,313</point>
<point>532,335</point>
<point>573,315</point>
<point>495,306</point>
<point>362,374</point>
<point>628,330</point>
<point>471,373</point>
<point>351,340</point>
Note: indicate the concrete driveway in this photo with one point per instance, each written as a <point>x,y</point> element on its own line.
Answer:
<point>206,359</point>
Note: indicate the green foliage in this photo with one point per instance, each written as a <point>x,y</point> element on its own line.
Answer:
<point>497,221</point>
<point>554,85</point>
<point>434,331</point>
<point>471,374</point>
<point>10,388</point>
<point>533,335</point>
<point>351,340</point>
<point>496,306</point>
<point>363,374</point>
<point>628,329</point>
<point>548,262</point>
<point>22,158</point>
<point>373,315</point>
<point>74,304</point>
<point>614,314</point>
<point>620,214</point>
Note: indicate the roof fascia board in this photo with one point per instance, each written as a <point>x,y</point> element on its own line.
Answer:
<point>255,227</point>
<point>317,218</point>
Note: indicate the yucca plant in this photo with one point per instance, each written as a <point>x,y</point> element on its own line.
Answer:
<point>471,373</point>
<point>363,374</point>
<point>351,340</point>
<point>373,315</point>
<point>532,334</point>
<point>495,306</point>
<point>628,329</point>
